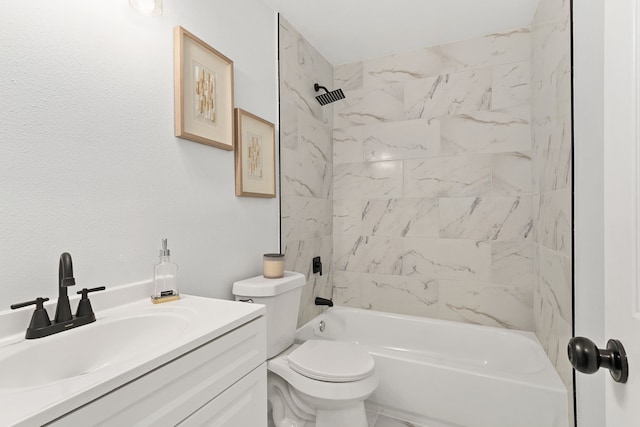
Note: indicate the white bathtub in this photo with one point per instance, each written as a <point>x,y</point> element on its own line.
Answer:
<point>447,374</point>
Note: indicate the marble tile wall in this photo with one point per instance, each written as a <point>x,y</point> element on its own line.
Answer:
<point>551,180</point>
<point>306,158</point>
<point>433,213</point>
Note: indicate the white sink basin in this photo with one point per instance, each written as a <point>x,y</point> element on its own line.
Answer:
<point>88,348</point>
<point>45,378</point>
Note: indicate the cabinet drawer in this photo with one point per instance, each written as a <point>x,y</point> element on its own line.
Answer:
<point>172,392</point>
<point>243,404</point>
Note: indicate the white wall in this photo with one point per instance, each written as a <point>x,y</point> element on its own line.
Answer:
<point>88,160</point>
<point>588,51</point>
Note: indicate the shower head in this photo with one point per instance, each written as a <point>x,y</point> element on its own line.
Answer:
<point>328,97</point>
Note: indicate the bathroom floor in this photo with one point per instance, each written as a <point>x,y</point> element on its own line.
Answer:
<point>378,420</point>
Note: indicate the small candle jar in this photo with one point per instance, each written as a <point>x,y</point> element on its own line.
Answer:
<point>273,266</point>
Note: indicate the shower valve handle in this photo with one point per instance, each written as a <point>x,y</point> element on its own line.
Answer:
<point>587,358</point>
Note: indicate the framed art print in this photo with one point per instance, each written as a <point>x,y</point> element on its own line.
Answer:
<point>255,156</point>
<point>203,92</point>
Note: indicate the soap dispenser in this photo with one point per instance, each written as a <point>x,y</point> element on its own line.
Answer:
<point>165,278</point>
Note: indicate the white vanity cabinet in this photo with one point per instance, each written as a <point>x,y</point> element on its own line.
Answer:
<point>220,383</point>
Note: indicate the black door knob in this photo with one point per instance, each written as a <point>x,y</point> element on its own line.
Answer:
<point>587,358</point>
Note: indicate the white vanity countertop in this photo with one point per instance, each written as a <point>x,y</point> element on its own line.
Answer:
<point>25,399</point>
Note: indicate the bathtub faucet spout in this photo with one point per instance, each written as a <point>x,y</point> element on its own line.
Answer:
<point>323,301</point>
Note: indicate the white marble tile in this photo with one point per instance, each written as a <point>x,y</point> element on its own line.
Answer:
<point>317,286</point>
<point>486,304</point>
<point>287,39</point>
<point>512,263</point>
<point>397,294</point>
<point>446,259</point>
<point>306,178</point>
<point>412,65</point>
<point>563,334</point>
<point>289,223</point>
<point>550,11</point>
<point>448,94</point>
<point>300,67</point>
<point>298,254</point>
<point>347,216</point>
<point>400,217</point>
<point>544,100</point>
<point>486,218</point>
<point>563,86</point>
<point>367,254</point>
<point>314,139</point>
<point>487,131</point>
<point>493,49</point>
<point>411,139</point>
<point>289,167</point>
<point>555,173</point>
<point>460,176</point>
<point>347,145</point>
<point>289,127</point>
<point>511,174</point>
<point>535,214</point>
<point>367,180</point>
<point>306,218</point>
<point>313,65</point>
<point>540,136</point>
<point>554,227</point>
<point>307,309</point>
<point>511,85</point>
<point>555,282</point>
<point>379,105</point>
<point>347,289</point>
<point>297,88</point>
<point>551,46</point>
<point>544,321</point>
<point>348,76</point>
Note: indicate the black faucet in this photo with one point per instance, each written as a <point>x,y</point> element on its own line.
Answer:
<point>65,279</point>
<point>40,325</point>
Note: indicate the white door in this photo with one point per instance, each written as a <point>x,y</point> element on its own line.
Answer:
<point>621,214</point>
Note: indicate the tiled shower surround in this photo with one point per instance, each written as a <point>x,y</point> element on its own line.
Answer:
<point>552,186</point>
<point>449,179</point>
<point>306,164</point>
<point>432,183</point>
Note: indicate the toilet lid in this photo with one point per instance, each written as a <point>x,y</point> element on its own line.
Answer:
<point>331,361</point>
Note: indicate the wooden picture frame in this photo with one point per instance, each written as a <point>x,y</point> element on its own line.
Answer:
<point>203,92</point>
<point>255,155</point>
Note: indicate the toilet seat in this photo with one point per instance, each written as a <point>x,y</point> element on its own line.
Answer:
<point>333,391</point>
<point>331,361</point>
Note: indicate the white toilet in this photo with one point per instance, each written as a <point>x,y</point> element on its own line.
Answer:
<point>317,383</point>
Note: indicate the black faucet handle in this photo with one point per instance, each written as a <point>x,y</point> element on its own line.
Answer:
<point>40,318</point>
<point>84,305</point>
<point>85,291</point>
<point>316,265</point>
<point>39,303</point>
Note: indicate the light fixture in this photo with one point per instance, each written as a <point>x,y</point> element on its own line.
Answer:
<point>147,7</point>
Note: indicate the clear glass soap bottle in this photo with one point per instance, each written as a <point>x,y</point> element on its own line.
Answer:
<point>165,278</point>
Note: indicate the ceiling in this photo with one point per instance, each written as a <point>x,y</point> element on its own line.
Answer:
<point>346,31</point>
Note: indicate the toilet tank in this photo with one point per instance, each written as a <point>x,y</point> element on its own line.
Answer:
<point>282,299</point>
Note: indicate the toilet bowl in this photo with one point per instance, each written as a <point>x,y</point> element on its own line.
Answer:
<point>319,387</point>
<point>317,383</point>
